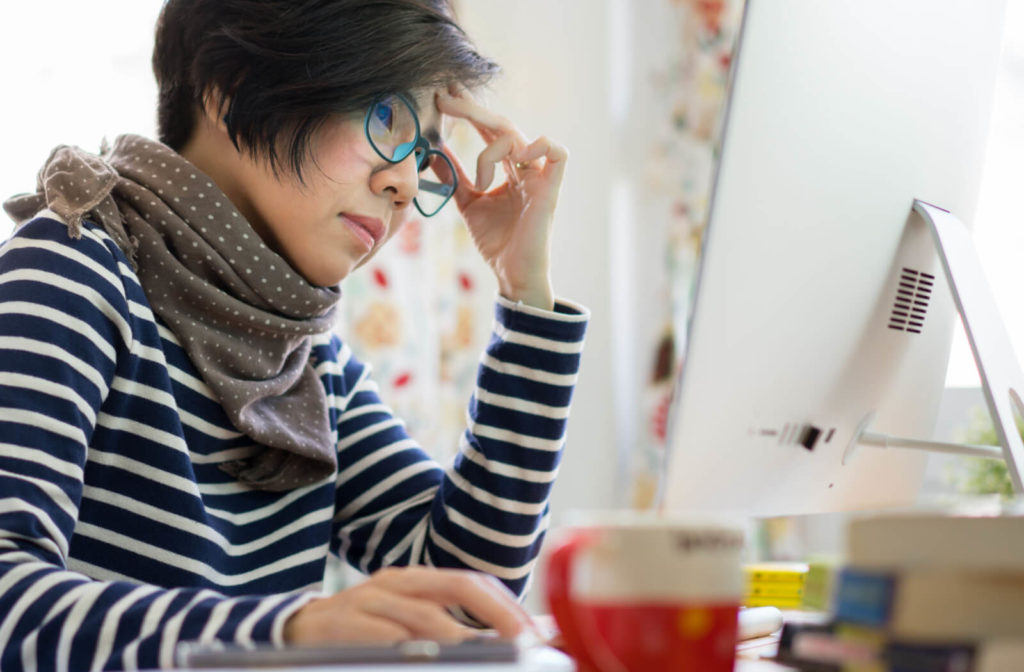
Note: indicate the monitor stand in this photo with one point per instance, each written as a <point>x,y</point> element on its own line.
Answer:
<point>998,367</point>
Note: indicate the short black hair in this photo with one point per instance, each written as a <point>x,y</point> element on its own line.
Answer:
<point>285,66</point>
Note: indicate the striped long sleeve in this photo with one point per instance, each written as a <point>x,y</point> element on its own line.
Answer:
<point>489,511</point>
<point>121,537</point>
<point>68,347</point>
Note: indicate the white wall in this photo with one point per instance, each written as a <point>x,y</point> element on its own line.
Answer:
<point>556,83</point>
<point>998,223</point>
<point>71,72</point>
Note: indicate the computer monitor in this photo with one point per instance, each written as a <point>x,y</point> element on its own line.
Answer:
<point>840,114</point>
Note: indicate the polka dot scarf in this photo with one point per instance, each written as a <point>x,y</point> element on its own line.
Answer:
<point>243,315</point>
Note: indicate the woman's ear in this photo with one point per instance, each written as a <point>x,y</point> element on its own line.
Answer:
<point>215,107</point>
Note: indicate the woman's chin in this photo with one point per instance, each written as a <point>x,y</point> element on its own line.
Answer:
<point>326,276</point>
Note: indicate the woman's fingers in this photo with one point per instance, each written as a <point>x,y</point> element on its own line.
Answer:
<point>505,143</point>
<point>494,153</point>
<point>340,618</point>
<point>488,123</point>
<point>486,598</point>
<point>420,617</point>
<point>492,128</point>
<point>516,159</point>
<point>369,628</point>
<point>555,157</point>
<point>542,148</point>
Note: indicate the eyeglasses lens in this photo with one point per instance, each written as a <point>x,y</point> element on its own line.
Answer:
<point>392,129</point>
<point>437,183</point>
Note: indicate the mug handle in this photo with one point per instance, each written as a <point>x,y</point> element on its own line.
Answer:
<point>581,646</point>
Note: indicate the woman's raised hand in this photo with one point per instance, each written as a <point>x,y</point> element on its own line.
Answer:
<point>510,224</point>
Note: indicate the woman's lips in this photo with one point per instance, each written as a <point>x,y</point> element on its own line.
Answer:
<point>369,229</point>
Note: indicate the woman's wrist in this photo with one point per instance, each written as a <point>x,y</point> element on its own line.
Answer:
<point>538,296</point>
<point>288,633</point>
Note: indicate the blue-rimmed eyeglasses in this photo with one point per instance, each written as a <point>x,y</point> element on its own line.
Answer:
<point>393,130</point>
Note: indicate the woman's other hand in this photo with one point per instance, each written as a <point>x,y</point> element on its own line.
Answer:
<point>396,604</point>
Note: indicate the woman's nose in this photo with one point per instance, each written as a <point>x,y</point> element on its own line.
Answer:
<point>399,181</point>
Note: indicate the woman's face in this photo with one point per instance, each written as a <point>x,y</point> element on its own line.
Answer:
<point>351,204</point>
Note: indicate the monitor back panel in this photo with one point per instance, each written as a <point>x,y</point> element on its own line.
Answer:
<point>840,114</point>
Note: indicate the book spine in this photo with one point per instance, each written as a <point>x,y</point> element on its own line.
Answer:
<point>864,597</point>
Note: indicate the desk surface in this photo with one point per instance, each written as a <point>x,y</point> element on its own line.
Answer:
<point>761,666</point>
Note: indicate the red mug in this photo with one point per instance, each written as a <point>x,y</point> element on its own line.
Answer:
<point>648,594</point>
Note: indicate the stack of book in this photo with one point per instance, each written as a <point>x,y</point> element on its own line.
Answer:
<point>774,584</point>
<point>922,593</point>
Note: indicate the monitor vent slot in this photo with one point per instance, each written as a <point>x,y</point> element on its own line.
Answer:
<point>913,293</point>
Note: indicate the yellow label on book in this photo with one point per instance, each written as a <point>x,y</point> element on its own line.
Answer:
<point>776,572</point>
<point>775,589</point>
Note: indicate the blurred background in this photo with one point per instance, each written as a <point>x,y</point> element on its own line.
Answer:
<point>635,90</point>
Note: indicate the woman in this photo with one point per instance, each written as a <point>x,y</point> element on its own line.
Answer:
<point>182,439</point>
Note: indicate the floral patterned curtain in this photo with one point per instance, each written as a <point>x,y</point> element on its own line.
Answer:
<point>690,89</point>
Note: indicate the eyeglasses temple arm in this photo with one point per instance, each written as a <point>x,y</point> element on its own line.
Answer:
<point>438,188</point>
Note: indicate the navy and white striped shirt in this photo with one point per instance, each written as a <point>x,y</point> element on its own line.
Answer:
<point>119,534</point>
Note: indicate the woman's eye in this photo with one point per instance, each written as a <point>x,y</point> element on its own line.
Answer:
<point>385,115</point>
